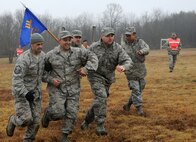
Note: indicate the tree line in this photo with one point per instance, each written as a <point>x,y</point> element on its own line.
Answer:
<point>150,26</point>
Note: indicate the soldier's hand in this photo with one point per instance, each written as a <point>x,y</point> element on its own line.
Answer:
<point>30,96</point>
<point>139,52</point>
<point>83,72</point>
<point>56,82</point>
<point>120,68</point>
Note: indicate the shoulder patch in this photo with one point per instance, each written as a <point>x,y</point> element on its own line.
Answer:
<point>17,69</point>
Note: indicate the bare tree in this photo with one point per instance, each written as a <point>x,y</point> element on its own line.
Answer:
<point>84,22</point>
<point>112,15</point>
<point>7,25</point>
<point>53,25</point>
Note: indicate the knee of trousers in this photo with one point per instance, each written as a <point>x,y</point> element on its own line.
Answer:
<point>56,116</point>
<point>71,114</point>
<point>136,91</point>
<point>28,120</point>
<point>55,112</point>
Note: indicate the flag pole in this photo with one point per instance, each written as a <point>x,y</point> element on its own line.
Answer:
<point>23,4</point>
<point>50,33</point>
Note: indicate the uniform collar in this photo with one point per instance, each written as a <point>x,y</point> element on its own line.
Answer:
<point>131,43</point>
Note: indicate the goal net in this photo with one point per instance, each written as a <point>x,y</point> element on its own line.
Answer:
<point>163,43</point>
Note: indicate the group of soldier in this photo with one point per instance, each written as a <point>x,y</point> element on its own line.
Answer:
<point>62,68</point>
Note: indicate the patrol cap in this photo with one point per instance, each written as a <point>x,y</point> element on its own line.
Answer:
<point>107,30</point>
<point>36,37</point>
<point>77,33</point>
<point>64,34</point>
<point>130,30</point>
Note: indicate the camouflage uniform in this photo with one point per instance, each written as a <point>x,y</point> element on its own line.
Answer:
<point>64,100</point>
<point>172,55</point>
<point>27,77</point>
<point>136,76</point>
<point>101,80</point>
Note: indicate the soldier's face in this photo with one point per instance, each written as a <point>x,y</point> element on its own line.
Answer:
<point>65,43</point>
<point>85,43</point>
<point>174,36</point>
<point>76,40</point>
<point>109,39</point>
<point>37,48</point>
<point>131,37</point>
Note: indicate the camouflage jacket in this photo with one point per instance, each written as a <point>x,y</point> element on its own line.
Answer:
<point>66,65</point>
<point>27,74</point>
<point>109,58</point>
<point>138,70</point>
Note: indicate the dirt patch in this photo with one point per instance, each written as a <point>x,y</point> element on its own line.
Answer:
<point>6,95</point>
<point>179,124</point>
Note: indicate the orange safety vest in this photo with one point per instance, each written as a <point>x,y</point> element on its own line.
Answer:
<point>19,51</point>
<point>174,43</point>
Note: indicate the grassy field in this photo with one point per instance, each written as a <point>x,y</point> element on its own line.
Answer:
<point>169,102</point>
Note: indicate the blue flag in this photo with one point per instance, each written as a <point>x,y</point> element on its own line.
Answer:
<point>31,24</point>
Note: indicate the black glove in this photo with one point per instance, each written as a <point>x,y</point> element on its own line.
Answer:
<point>30,96</point>
<point>48,66</point>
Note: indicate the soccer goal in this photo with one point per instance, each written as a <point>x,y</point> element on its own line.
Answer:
<point>163,43</point>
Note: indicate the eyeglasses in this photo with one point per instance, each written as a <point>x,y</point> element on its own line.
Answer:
<point>77,36</point>
<point>127,35</point>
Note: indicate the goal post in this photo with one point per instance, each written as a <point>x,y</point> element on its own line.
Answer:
<point>163,43</point>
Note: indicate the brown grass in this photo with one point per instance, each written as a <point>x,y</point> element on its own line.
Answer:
<point>169,101</point>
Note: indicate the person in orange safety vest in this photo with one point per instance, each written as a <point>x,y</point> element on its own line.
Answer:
<point>19,51</point>
<point>174,47</point>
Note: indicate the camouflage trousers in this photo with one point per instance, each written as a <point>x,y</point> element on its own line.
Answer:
<point>64,104</point>
<point>97,111</point>
<point>27,114</point>
<point>172,61</point>
<point>137,87</point>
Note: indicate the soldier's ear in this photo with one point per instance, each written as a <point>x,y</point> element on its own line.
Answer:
<point>62,28</point>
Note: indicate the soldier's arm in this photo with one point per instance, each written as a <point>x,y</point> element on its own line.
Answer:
<point>167,44</point>
<point>180,46</point>
<point>124,59</point>
<point>90,59</point>
<point>48,67</point>
<point>144,47</point>
<point>19,72</point>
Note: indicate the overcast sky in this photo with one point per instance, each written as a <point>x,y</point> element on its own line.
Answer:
<point>73,8</point>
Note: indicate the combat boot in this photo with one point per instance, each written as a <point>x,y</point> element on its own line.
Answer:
<point>126,107</point>
<point>65,138</point>
<point>84,125</point>
<point>140,111</point>
<point>100,130</point>
<point>45,119</point>
<point>10,127</point>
